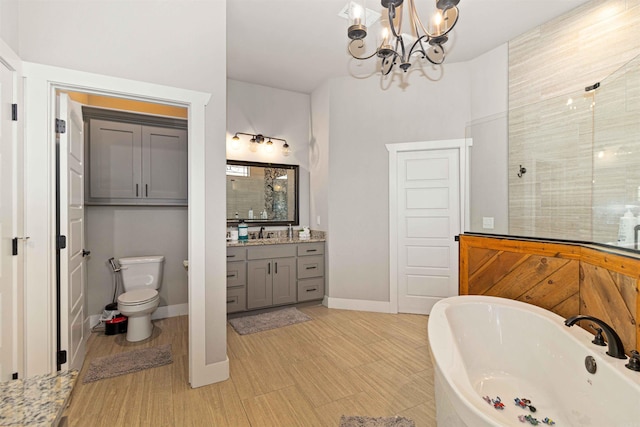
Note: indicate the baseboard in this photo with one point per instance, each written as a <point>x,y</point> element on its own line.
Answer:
<point>161,313</point>
<point>358,304</point>
<point>209,374</point>
<point>170,311</point>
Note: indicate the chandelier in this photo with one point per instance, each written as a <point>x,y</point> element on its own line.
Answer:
<point>394,46</point>
<point>257,140</point>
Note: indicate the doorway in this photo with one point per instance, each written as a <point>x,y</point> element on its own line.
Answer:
<point>41,84</point>
<point>428,205</point>
<point>97,230</point>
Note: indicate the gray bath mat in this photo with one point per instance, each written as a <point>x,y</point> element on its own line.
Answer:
<point>357,421</point>
<point>265,321</point>
<point>128,362</point>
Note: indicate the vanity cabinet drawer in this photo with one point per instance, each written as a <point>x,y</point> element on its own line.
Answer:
<point>310,266</point>
<point>310,289</point>
<point>236,299</point>
<point>236,254</point>
<point>271,251</point>
<point>236,274</point>
<point>311,248</point>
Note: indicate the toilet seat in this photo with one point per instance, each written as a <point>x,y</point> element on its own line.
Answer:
<point>137,297</point>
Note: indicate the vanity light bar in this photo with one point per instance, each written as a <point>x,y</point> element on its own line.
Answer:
<point>259,139</point>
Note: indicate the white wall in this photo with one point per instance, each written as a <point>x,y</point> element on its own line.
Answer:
<point>9,23</point>
<point>122,231</point>
<point>489,181</point>
<point>175,43</point>
<point>363,117</point>
<point>279,113</point>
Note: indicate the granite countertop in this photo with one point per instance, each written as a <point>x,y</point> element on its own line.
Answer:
<point>273,241</point>
<point>279,237</point>
<point>37,401</point>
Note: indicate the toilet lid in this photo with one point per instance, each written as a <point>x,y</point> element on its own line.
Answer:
<point>139,296</point>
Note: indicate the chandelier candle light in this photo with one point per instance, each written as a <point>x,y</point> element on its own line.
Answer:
<point>258,139</point>
<point>394,46</point>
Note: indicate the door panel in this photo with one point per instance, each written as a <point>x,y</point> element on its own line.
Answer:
<point>164,163</point>
<point>8,290</point>
<point>115,159</point>
<point>428,219</point>
<point>259,283</point>
<point>72,271</point>
<point>284,281</point>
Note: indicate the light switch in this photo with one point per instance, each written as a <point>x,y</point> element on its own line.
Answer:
<point>487,222</point>
<point>318,220</point>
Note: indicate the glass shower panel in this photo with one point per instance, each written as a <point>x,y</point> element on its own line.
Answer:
<point>552,140</point>
<point>616,154</point>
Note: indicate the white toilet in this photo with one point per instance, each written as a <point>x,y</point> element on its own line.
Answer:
<point>141,278</point>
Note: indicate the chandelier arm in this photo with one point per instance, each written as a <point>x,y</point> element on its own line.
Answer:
<point>359,57</point>
<point>417,19</point>
<point>400,41</point>
<point>454,22</point>
<point>382,70</point>
<point>436,62</point>
<point>392,15</point>
<point>413,13</point>
<point>419,42</point>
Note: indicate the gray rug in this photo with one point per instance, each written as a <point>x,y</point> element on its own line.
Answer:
<point>128,362</point>
<point>357,421</point>
<point>265,321</point>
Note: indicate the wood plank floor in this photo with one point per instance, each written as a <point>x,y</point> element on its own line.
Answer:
<point>341,363</point>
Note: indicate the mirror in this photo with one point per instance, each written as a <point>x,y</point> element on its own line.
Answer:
<point>262,193</point>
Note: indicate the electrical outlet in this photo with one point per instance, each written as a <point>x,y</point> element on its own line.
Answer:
<point>487,222</point>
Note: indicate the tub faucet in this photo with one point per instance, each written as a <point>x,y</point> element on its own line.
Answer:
<point>616,349</point>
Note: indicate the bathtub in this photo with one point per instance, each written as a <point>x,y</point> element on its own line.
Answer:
<point>487,346</point>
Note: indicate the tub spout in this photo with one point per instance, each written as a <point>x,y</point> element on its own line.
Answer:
<point>616,349</point>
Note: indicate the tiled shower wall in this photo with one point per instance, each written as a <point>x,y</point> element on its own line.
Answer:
<point>581,150</point>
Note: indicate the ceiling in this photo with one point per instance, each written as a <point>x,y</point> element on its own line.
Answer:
<point>299,44</point>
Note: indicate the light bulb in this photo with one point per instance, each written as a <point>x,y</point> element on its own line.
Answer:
<point>286,150</point>
<point>269,147</point>
<point>253,146</point>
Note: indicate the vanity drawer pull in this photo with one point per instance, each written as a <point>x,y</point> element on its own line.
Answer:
<point>232,275</point>
<point>312,289</point>
<point>231,256</point>
<point>233,300</point>
<point>311,250</point>
<point>312,268</point>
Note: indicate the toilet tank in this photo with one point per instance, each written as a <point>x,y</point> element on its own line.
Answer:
<point>141,272</point>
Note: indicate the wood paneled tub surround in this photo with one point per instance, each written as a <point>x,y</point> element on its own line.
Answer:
<point>565,278</point>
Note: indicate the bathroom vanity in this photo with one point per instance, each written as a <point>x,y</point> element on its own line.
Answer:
<point>264,273</point>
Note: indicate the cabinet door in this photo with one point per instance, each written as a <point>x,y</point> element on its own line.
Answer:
<point>164,163</point>
<point>236,274</point>
<point>284,281</point>
<point>114,160</point>
<point>259,283</point>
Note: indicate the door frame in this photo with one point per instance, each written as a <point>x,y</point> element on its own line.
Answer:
<point>462,145</point>
<point>11,60</point>
<point>41,84</point>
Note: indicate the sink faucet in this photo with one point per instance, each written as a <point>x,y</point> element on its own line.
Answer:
<point>616,349</point>
<point>261,233</point>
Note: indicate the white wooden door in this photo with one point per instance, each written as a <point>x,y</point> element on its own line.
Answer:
<point>8,284</point>
<point>428,220</point>
<point>72,265</point>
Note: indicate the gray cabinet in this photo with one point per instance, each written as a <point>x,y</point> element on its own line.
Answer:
<point>310,271</point>
<point>236,280</point>
<point>271,275</point>
<point>135,159</point>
